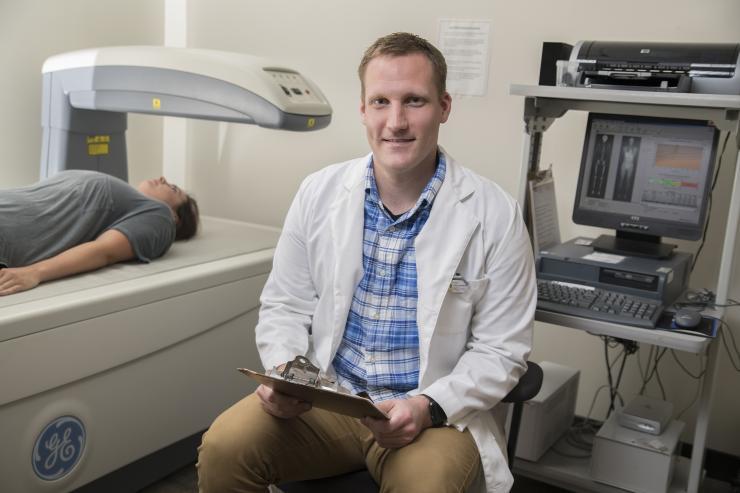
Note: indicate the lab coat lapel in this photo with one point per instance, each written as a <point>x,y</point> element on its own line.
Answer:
<point>347,223</point>
<point>439,249</point>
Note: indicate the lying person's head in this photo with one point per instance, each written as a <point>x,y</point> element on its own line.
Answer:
<point>184,207</point>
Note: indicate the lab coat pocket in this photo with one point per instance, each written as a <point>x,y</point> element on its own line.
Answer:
<point>457,307</point>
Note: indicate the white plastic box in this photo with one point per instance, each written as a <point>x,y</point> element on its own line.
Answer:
<point>548,415</point>
<point>633,460</point>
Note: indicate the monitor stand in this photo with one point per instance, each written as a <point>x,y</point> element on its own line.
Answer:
<point>634,245</point>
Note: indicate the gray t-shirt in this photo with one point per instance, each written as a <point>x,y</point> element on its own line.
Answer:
<point>42,220</point>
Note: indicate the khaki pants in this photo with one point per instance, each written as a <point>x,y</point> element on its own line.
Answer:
<point>246,449</point>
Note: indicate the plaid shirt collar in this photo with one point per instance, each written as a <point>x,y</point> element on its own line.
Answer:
<point>427,195</point>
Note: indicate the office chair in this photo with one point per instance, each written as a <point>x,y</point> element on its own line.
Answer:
<point>361,481</point>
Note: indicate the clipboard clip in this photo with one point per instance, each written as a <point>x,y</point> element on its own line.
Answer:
<point>301,370</point>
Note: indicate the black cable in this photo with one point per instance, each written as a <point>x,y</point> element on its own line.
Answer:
<point>577,443</point>
<point>692,402</point>
<point>702,299</point>
<point>660,382</point>
<point>619,377</point>
<point>719,159</point>
<point>610,342</point>
<point>644,373</point>
<point>709,202</point>
<point>703,235</point>
<point>686,370</point>
<point>575,437</point>
<point>628,347</point>
<point>726,329</point>
<point>732,336</point>
<point>697,392</point>
<point>648,369</point>
<point>703,304</point>
<point>591,407</point>
<point>614,361</point>
<point>609,377</point>
<point>658,356</point>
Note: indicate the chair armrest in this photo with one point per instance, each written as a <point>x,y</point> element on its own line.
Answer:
<point>528,386</point>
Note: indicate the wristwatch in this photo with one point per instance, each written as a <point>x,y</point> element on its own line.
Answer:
<point>439,418</point>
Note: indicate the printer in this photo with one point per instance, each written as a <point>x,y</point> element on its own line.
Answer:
<point>702,68</point>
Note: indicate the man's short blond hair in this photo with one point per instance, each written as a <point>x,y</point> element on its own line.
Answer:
<point>400,44</point>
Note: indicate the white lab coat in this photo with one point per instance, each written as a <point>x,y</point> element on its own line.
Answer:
<point>472,344</point>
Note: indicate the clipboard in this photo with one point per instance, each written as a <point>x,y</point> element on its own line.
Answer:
<point>542,212</point>
<point>331,400</point>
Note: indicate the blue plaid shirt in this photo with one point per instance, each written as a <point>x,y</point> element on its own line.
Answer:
<point>379,352</point>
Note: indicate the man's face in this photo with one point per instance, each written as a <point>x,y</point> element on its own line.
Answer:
<point>402,112</point>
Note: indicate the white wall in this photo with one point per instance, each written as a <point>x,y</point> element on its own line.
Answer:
<point>251,174</point>
<point>33,30</point>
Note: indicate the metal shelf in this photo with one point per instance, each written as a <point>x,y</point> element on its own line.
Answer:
<point>542,106</point>
<point>663,338</point>
<point>721,101</point>
<point>549,102</point>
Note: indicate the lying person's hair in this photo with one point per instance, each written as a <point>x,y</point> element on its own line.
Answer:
<point>187,219</point>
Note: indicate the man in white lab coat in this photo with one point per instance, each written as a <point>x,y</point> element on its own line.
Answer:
<point>403,275</point>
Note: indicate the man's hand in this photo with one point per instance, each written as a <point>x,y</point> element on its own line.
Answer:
<point>281,405</point>
<point>408,418</point>
<point>15,280</point>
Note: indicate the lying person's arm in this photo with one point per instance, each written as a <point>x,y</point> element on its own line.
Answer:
<point>108,248</point>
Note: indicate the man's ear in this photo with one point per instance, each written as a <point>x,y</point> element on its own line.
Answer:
<point>446,104</point>
<point>362,111</point>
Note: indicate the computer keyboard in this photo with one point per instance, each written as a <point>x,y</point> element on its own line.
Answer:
<point>600,304</point>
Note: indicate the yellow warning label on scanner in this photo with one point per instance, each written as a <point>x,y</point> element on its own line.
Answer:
<point>97,145</point>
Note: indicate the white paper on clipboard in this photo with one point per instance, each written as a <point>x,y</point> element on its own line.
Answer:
<point>543,211</point>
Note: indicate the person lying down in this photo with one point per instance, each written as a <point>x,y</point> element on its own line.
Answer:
<point>77,221</point>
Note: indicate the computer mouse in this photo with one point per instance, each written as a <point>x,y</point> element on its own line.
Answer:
<point>687,319</point>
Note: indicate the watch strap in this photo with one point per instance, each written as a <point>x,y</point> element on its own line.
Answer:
<point>436,413</point>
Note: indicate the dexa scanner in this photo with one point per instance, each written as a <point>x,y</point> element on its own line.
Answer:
<point>86,95</point>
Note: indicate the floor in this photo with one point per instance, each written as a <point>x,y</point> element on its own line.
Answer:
<point>185,481</point>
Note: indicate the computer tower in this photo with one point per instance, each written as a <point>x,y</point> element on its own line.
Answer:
<point>547,416</point>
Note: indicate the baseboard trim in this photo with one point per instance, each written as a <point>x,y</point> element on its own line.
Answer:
<point>718,465</point>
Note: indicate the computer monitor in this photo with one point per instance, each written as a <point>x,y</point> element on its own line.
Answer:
<point>645,177</point>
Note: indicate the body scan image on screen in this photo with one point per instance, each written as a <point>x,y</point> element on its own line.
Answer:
<point>645,177</point>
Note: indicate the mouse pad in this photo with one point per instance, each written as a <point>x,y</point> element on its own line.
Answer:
<point>707,327</point>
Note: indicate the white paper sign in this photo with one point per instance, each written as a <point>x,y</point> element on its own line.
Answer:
<point>544,212</point>
<point>465,47</point>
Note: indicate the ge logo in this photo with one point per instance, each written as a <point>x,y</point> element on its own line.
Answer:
<point>58,448</point>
